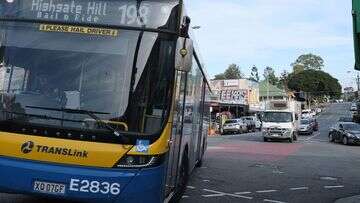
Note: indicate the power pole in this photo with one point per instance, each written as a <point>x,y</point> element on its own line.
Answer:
<point>358,85</point>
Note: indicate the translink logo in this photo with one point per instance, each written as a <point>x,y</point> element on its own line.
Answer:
<point>29,146</point>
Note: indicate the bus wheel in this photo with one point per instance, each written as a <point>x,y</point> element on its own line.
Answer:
<point>183,179</point>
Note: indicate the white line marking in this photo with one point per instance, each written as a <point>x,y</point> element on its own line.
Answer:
<point>266,191</point>
<point>191,187</point>
<point>316,134</point>
<point>214,195</point>
<point>333,186</point>
<point>328,178</point>
<point>206,180</point>
<point>242,193</point>
<point>215,148</point>
<point>219,194</point>
<point>299,188</point>
<point>185,196</point>
<point>273,201</point>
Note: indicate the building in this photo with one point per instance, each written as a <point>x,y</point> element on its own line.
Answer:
<point>235,96</point>
<point>271,92</point>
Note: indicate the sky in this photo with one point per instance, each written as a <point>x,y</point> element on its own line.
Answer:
<point>274,33</point>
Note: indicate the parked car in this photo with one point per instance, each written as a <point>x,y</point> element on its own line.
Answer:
<point>353,107</point>
<point>314,124</point>
<point>346,119</point>
<point>305,114</point>
<point>318,110</point>
<point>254,120</point>
<point>306,127</point>
<point>234,126</point>
<point>345,132</point>
<point>251,123</point>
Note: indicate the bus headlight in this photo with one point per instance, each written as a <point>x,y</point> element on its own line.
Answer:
<point>135,161</point>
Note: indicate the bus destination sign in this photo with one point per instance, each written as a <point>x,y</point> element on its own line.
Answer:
<point>109,12</point>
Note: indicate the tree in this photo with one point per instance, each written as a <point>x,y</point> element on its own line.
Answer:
<point>220,76</point>
<point>298,68</point>
<point>283,80</point>
<point>269,74</point>
<point>315,83</point>
<point>233,72</point>
<point>254,74</point>
<point>309,61</point>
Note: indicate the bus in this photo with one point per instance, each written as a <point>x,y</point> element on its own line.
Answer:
<point>93,97</point>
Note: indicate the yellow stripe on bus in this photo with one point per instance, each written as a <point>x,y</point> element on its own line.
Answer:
<point>161,146</point>
<point>78,30</point>
<point>60,150</point>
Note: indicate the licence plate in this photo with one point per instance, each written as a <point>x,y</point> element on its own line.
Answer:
<point>50,188</point>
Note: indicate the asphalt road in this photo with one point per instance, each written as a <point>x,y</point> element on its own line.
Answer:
<point>242,168</point>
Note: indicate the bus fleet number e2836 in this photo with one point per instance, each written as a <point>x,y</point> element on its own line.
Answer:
<point>95,187</point>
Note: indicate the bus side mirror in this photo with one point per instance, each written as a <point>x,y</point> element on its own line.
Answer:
<point>185,26</point>
<point>184,54</point>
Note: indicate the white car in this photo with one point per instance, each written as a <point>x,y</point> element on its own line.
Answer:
<point>234,126</point>
<point>254,121</point>
<point>313,113</point>
<point>306,114</point>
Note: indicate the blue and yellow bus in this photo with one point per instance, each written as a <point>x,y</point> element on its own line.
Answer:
<point>94,96</point>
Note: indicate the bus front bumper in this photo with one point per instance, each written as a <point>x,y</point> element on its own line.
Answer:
<point>143,185</point>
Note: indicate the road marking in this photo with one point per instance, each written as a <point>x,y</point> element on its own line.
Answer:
<point>299,188</point>
<point>215,148</point>
<point>206,181</point>
<point>328,178</point>
<point>266,191</point>
<point>190,187</point>
<point>273,201</point>
<point>214,195</point>
<point>308,139</point>
<point>185,196</point>
<point>333,186</point>
<point>220,194</point>
<point>242,193</point>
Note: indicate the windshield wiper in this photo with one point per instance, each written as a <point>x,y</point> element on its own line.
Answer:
<point>89,113</point>
<point>45,117</point>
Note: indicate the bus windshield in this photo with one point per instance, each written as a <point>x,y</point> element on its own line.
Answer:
<point>277,117</point>
<point>45,67</point>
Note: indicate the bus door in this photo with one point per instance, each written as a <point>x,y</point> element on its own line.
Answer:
<point>177,131</point>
